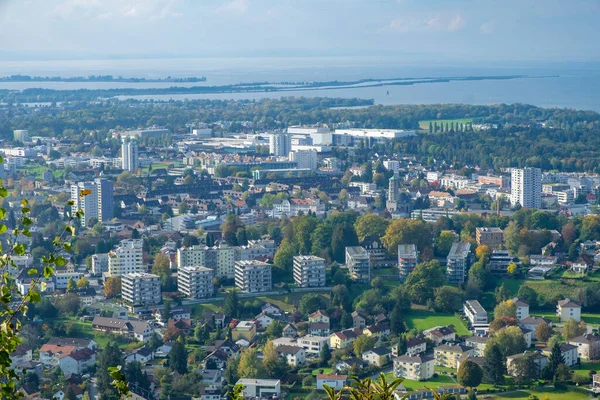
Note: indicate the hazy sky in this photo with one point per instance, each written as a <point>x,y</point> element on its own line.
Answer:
<point>423,29</point>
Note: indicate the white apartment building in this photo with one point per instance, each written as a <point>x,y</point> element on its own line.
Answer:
<point>196,282</point>
<point>260,388</point>
<point>358,263</point>
<point>306,159</point>
<point>312,344</point>
<point>126,258</point>
<point>253,276</point>
<point>408,258</point>
<point>99,264</point>
<point>61,279</point>
<point>475,313</point>
<point>526,187</point>
<point>280,144</point>
<point>21,135</point>
<point>309,271</point>
<point>220,259</point>
<point>416,368</point>
<point>457,262</point>
<point>392,165</point>
<point>141,289</point>
<point>129,155</point>
<point>95,198</point>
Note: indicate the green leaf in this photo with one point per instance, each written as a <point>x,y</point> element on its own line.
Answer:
<point>60,261</point>
<point>3,192</point>
<point>48,272</point>
<point>2,213</point>
<point>32,271</point>
<point>35,297</point>
<point>70,203</point>
<point>67,246</point>
<point>71,229</point>
<point>2,228</point>
<point>25,210</point>
<point>26,221</point>
<point>26,232</point>
<point>19,249</point>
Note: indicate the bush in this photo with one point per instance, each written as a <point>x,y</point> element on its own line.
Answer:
<point>581,380</point>
<point>309,381</point>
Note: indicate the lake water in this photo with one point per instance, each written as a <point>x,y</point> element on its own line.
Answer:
<point>550,85</point>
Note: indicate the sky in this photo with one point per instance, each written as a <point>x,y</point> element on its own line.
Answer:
<point>509,30</point>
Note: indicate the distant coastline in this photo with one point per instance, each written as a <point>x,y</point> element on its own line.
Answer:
<point>97,78</point>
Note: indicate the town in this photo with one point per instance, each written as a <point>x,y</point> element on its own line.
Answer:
<point>211,257</point>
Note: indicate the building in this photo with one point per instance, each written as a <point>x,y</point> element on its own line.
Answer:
<point>358,264</point>
<point>526,187</point>
<point>129,154</point>
<point>336,382</point>
<point>415,368</point>
<point>106,199</point>
<point>196,282</point>
<point>588,346</point>
<point>457,262</point>
<point>95,199</point>
<point>539,360</point>
<point>294,355</point>
<point>147,133</point>
<point>280,144</point>
<point>126,258</point>
<point>491,237</point>
<point>377,357</point>
<point>312,344</point>
<point>532,322</point>
<point>478,344</point>
<point>568,351</point>
<point>475,313</point>
<point>393,193</point>
<point>408,258</point>
<point>343,339</point>
<point>522,308</point>
<point>99,263</point>
<point>77,362</point>
<point>61,279</point>
<point>502,181</point>
<point>415,345</point>
<point>309,271</point>
<point>141,289</point>
<point>352,136</point>
<point>260,388</point>
<point>253,276</point>
<point>21,135</point>
<point>139,330</point>
<point>305,159</point>
<point>567,309</point>
<point>441,334</point>
<point>499,262</point>
<point>447,355</point>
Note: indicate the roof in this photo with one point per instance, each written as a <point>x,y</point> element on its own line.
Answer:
<point>380,327</point>
<point>564,347</point>
<point>454,348</point>
<point>317,313</point>
<point>347,334</point>
<point>288,349</point>
<point>478,339</point>
<point>122,324</point>
<point>21,350</point>
<point>407,251</point>
<point>332,377</point>
<point>413,359</point>
<point>460,250</point>
<point>520,303</point>
<point>259,382</point>
<point>415,341</point>
<point>356,251</point>
<point>380,351</point>
<point>79,355</point>
<point>57,349</point>
<point>319,325</point>
<point>568,303</point>
<point>586,339</point>
<point>531,320</point>
<point>144,351</point>
<point>477,360</point>
<point>442,331</point>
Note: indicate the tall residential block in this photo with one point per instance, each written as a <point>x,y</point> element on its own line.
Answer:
<point>129,154</point>
<point>220,259</point>
<point>106,199</point>
<point>141,289</point>
<point>196,282</point>
<point>96,199</point>
<point>408,258</point>
<point>526,187</point>
<point>457,262</point>
<point>309,271</point>
<point>252,276</point>
<point>126,258</point>
<point>21,135</point>
<point>280,144</point>
<point>358,263</point>
<point>306,159</point>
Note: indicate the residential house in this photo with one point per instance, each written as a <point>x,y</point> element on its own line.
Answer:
<point>142,355</point>
<point>212,377</point>
<point>588,346</point>
<point>415,368</point>
<point>217,358</point>
<point>568,351</point>
<point>358,321</point>
<point>294,355</point>
<point>263,320</point>
<point>478,344</point>
<point>447,355</point>
<point>532,322</point>
<point>260,388</point>
<point>539,359</point>
<point>522,308</point>
<point>22,353</point>
<point>319,316</point>
<point>139,330</point>
<point>414,346</point>
<point>319,329</point>
<point>343,339</point>
<point>244,330</point>
<point>567,309</point>
<point>348,364</point>
<point>377,357</point>
<point>290,331</point>
<point>50,354</point>
<point>78,361</point>
<point>312,344</point>
<point>336,382</point>
<point>164,349</point>
<point>441,334</point>
<point>379,330</point>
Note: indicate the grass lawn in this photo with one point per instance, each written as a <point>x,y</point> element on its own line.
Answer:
<point>198,310</point>
<point>286,301</point>
<point>422,320</point>
<point>316,372</point>
<point>585,368</point>
<point>541,393</point>
<point>384,271</point>
<point>425,124</point>
<point>444,369</point>
<point>433,383</point>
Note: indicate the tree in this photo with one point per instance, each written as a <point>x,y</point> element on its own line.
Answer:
<point>510,340</point>
<point>284,257</point>
<point>178,357</point>
<point>572,329</point>
<point>469,374</point>
<point>270,358</point>
<point>501,294</point>
<point>162,268</point>
<point>543,332</point>
<point>507,308</point>
<point>324,355</point>
<point>231,305</point>
<point>274,330</point>
<point>407,231</point>
<point>370,225</point>
<point>310,303</point>
<point>308,381</point>
<point>112,287</point>
<point>444,243</point>
<point>512,269</point>
<point>83,283</point>
<point>448,299</point>
<point>397,325</point>
<point>556,359</point>
<point>528,295</point>
<point>340,296</point>
<point>483,252</point>
<point>480,277</point>
<point>494,367</point>
<point>71,285</point>
<point>422,281</point>
<point>166,311</point>
<point>70,394</point>
<point>525,369</point>
<point>363,343</point>
<point>249,365</point>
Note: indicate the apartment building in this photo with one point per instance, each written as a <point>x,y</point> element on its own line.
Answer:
<point>491,237</point>
<point>309,271</point>
<point>126,258</point>
<point>408,258</point>
<point>358,264</point>
<point>196,282</point>
<point>526,187</point>
<point>415,368</point>
<point>141,289</point>
<point>457,262</point>
<point>567,309</point>
<point>447,355</point>
<point>253,276</point>
<point>475,313</point>
<point>221,259</point>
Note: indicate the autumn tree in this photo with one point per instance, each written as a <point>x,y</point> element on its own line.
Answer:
<point>407,231</point>
<point>572,329</point>
<point>507,308</point>
<point>249,365</point>
<point>83,283</point>
<point>112,287</point>
<point>422,281</point>
<point>371,225</point>
<point>543,332</point>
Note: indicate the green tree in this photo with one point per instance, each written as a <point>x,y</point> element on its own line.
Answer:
<point>507,308</point>
<point>494,366</point>
<point>422,281</point>
<point>407,231</point>
<point>572,329</point>
<point>397,325</point>
<point>448,299</point>
<point>310,303</point>
<point>556,358</point>
<point>71,285</point>
<point>510,340</point>
<point>444,243</point>
<point>231,305</point>
<point>274,330</point>
<point>525,369</point>
<point>363,343</point>
<point>370,225</point>
<point>284,257</point>
<point>178,357</point>
<point>501,294</point>
<point>249,365</point>
<point>469,374</point>
<point>324,355</point>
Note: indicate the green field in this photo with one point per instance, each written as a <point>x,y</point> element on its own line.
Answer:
<point>425,124</point>
<point>422,320</point>
<point>585,368</point>
<point>551,393</point>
